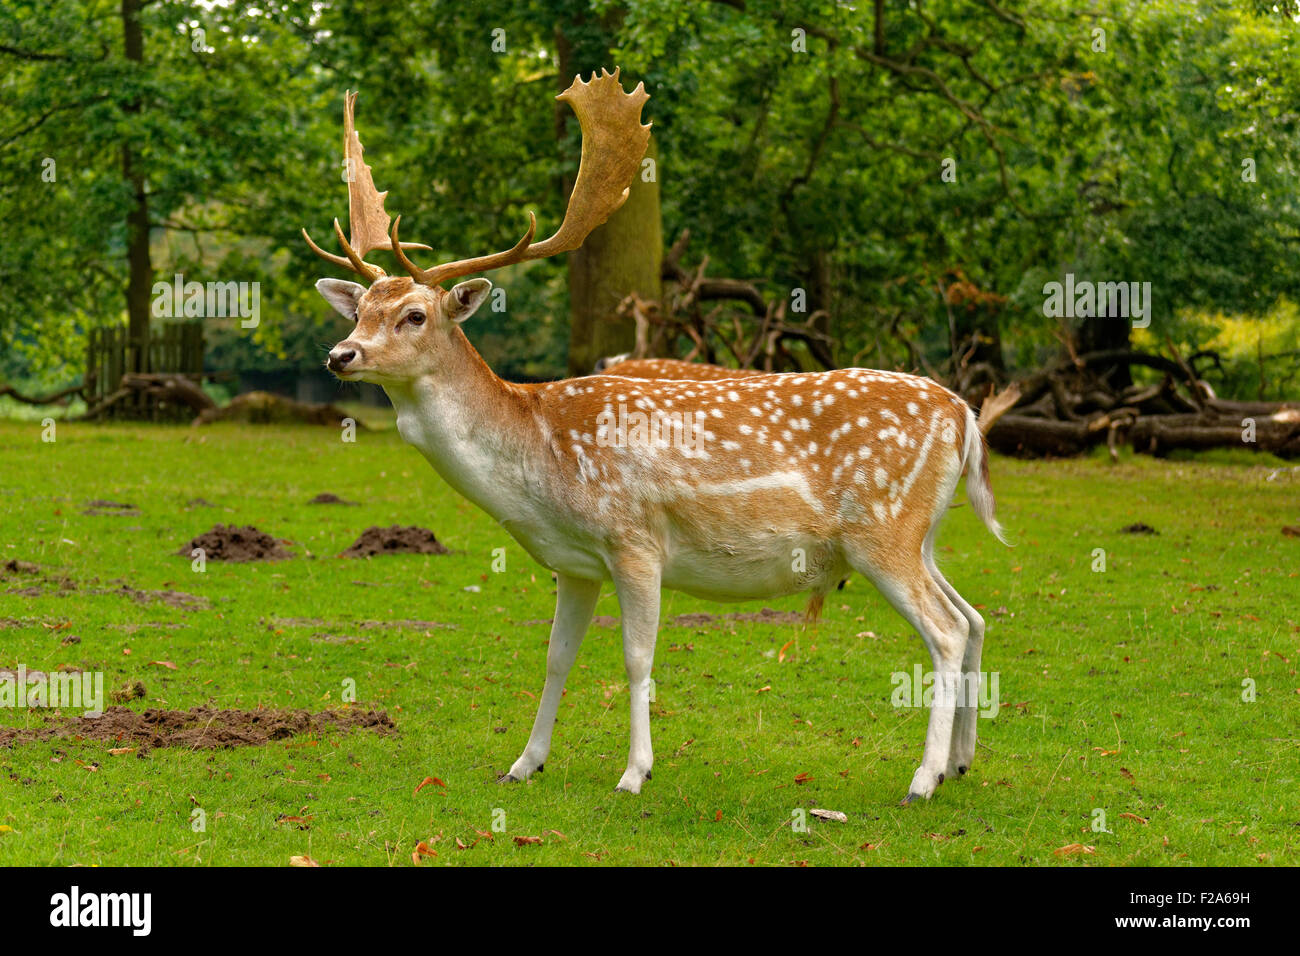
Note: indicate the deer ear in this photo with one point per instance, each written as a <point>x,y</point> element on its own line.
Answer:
<point>464,298</point>
<point>343,295</point>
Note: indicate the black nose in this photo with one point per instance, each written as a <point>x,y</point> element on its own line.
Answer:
<point>339,359</point>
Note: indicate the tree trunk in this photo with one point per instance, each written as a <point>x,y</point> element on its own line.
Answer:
<point>620,258</point>
<point>977,336</point>
<point>1107,333</point>
<point>140,265</point>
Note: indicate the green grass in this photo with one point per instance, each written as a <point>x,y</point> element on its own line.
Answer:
<point>1121,691</point>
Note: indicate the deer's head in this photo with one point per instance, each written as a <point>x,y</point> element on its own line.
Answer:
<point>402,323</point>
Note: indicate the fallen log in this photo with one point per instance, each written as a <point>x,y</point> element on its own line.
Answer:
<point>1158,435</point>
<point>51,399</point>
<point>1026,437</point>
<point>265,408</point>
<point>165,387</point>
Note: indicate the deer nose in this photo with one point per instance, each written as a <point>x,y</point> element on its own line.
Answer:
<point>340,356</point>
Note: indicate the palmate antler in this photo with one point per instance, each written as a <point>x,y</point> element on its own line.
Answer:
<point>613,142</point>
<point>366,216</point>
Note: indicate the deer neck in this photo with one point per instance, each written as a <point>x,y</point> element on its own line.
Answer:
<point>470,425</point>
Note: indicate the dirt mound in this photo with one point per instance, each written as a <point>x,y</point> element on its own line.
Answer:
<point>327,498</point>
<point>394,540</point>
<point>202,728</point>
<point>1139,528</point>
<point>35,587</point>
<point>226,542</point>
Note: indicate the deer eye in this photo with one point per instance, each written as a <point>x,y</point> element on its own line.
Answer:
<point>415,318</point>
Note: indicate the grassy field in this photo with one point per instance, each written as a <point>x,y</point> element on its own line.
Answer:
<point>1121,691</point>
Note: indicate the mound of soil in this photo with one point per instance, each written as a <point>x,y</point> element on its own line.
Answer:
<point>1139,528</point>
<point>394,540</point>
<point>225,542</point>
<point>327,498</point>
<point>202,728</point>
<point>14,566</point>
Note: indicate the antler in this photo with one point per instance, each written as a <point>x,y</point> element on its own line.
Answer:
<point>613,142</point>
<point>366,216</point>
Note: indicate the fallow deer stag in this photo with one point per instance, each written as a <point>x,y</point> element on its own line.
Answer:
<point>738,489</point>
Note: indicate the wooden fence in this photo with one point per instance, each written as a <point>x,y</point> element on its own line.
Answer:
<point>171,347</point>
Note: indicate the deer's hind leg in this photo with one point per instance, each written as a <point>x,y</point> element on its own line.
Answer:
<point>907,584</point>
<point>966,718</point>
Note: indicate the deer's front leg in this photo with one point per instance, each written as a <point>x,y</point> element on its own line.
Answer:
<point>575,600</point>
<point>637,583</point>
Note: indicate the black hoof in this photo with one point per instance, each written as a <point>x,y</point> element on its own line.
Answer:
<point>542,766</point>
<point>962,770</point>
<point>940,780</point>
<point>648,774</point>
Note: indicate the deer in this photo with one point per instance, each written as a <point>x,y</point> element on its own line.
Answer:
<point>749,488</point>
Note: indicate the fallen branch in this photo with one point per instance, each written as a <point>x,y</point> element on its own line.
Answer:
<point>55,398</point>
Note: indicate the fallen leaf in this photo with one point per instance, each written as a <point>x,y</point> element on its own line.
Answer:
<point>780,655</point>
<point>802,778</point>
<point>167,664</point>
<point>422,849</point>
<point>1133,816</point>
<point>527,840</point>
<point>302,861</point>
<point>429,780</point>
<point>1072,849</point>
<point>119,751</point>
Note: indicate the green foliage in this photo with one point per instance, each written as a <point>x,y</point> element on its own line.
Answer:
<point>798,150</point>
